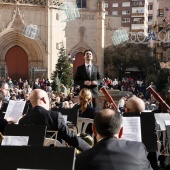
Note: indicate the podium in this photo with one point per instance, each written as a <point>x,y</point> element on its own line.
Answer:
<point>34,157</point>
<point>148,132</point>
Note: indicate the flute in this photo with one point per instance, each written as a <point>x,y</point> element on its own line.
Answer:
<point>159,98</point>
<point>109,98</point>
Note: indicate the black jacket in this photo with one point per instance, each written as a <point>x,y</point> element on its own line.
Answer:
<point>54,121</point>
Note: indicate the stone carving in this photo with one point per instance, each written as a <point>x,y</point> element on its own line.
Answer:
<point>31,2</point>
<point>17,20</point>
<point>55,2</point>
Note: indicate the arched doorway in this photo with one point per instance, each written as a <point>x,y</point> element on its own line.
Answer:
<point>17,63</point>
<point>79,60</point>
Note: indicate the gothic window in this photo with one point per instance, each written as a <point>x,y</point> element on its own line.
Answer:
<point>81,3</point>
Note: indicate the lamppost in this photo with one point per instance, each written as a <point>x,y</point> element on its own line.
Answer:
<point>121,71</point>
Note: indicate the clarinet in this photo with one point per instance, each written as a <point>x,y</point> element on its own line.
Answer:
<point>159,98</point>
<point>109,98</point>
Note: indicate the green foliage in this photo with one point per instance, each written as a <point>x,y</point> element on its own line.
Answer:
<point>162,80</point>
<point>131,55</point>
<point>63,72</point>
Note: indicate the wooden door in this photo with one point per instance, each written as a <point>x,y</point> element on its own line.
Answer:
<point>79,60</point>
<point>17,63</point>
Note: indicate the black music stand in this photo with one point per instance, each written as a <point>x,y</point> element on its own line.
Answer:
<point>31,157</point>
<point>168,136</point>
<point>147,129</point>
<point>72,114</point>
<point>36,133</point>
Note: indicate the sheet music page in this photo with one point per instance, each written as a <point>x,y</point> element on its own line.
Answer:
<point>132,129</point>
<point>167,122</point>
<point>160,119</point>
<point>15,109</point>
<point>15,140</point>
<point>65,118</point>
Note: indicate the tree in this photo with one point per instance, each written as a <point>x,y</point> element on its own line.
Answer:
<point>63,73</point>
<point>131,55</point>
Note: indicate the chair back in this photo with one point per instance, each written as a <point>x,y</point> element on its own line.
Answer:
<point>82,124</point>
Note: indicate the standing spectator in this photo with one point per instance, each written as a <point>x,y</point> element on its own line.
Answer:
<point>63,89</point>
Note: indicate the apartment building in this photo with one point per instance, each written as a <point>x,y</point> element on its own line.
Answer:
<point>134,13</point>
<point>162,29</point>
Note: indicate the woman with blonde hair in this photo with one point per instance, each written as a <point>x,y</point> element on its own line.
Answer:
<point>85,110</point>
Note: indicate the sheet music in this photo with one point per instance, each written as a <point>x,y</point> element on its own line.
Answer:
<point>15,140</point>
<point>160,119</point>
<point>15,109</point>
<point>132,129</point>
<point>65,118</point>
<point>167,122</point>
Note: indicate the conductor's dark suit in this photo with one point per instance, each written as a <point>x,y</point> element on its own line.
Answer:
<point>81,76</point>
<point>54,121</point>
<point>113,154</point>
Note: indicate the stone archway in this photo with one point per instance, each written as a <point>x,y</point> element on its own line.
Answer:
<point>17,63</point>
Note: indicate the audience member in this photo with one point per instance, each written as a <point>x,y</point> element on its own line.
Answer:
<point>110,152</point>
<point>40,115</point>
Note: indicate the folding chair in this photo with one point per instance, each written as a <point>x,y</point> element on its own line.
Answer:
<point>52,141</point>
<point>82,124</point>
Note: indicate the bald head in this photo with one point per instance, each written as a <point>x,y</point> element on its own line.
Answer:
<point>135,104</point>
<point>39,97</point>
<point>108,122</point>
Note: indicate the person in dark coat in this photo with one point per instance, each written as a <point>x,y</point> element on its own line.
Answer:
<point>41,115</point>
<point>111,153</point>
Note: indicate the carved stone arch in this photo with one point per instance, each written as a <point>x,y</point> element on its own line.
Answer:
<point>82,49</point>
<point>34,49</point>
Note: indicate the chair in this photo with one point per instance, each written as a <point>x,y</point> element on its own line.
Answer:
<point>52,141</point>
<point>82,124</point>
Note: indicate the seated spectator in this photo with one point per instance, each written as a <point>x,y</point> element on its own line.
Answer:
<point>110,153</point>
<point>41,115</point>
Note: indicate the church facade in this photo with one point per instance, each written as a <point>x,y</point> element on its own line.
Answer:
<point>26,58</point>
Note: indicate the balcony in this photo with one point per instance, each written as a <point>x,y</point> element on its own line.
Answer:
<point>137,22</point>
<point>166,45</point>
<point>137,14</point>
<point>138,5</point>
<point>137,30</point>
<point>168,27</point>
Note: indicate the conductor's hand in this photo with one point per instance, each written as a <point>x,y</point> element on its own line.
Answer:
<point>94,83</point>
<point>87,83</point>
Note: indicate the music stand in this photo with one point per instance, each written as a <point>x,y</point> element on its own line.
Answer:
<point>36,133</point>
<point>147,129</point>
<point>72,114</point>
<point>34,157</point>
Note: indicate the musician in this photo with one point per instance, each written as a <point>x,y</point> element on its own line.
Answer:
<point>41,115</point>
<point>135,104</point>
<point>88,75</point>
<point>110,153</point>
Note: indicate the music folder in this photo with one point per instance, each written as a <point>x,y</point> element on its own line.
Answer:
<point>36,157</point>
<point>147,129</point>
<point>36,133</point>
